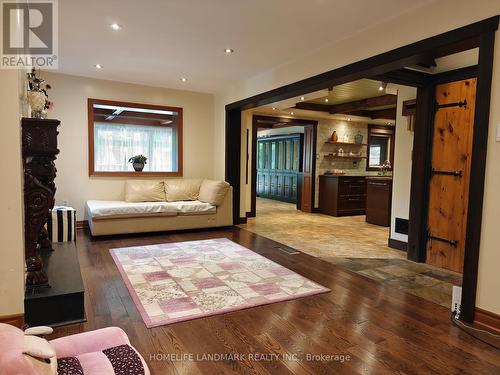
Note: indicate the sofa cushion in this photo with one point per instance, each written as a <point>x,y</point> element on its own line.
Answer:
<point>118,209</point>
<point>213,192</point>
<point>182,189</point>
<point>115,209</point>
<point>194,208</point>
<point>144,191</point>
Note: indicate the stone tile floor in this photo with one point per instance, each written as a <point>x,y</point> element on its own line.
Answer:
<point>352,244</point>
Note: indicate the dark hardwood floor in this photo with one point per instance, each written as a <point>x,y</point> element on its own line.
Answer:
<point>381,329</point>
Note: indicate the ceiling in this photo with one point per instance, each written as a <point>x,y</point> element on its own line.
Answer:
<point>351,91</point>
<point>164,40</point>
<point>347,93</point>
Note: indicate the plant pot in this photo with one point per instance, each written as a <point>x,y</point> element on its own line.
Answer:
<point>138,167</point>
<point>36,100</point>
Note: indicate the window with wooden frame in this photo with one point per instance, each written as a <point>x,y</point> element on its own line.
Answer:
<point>380,146</point>
<point>119,131</point>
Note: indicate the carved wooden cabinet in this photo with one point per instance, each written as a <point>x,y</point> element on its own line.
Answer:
<point>39,151</point>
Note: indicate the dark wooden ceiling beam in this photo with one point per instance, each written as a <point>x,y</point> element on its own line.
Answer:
<point>369,103</point>
<point>386,114</point>
<point>407,77</point>
<point>313,107</point>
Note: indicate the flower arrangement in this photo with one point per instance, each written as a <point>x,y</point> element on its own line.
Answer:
<point>38,96</point>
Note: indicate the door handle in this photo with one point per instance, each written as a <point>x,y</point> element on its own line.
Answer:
<point>447,173</point>
<point>453,243</point>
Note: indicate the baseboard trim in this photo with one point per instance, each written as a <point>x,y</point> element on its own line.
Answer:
<point>82,224</point>
<point>487,320</point>
<point>14,320</point>
<point>397,244</point>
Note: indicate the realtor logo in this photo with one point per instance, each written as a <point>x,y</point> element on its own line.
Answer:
<point>29,34</point>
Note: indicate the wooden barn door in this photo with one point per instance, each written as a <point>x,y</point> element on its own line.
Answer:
<point>449,184</point>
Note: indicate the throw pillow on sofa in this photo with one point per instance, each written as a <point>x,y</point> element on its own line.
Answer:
<point>182,189</point>
<point>144,191</point>
<point>213,192</point>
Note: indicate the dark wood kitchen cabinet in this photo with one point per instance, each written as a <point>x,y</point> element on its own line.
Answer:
<point>342,195</point>
<point>378,200</point>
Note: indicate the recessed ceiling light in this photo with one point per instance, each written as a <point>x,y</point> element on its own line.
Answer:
<point>326,100</point>
<point>302,98</point>
<point>184,79</point>
<point>228,51</point>
<point>382,86</point>
<point>116,26</point>
<point>98,66</point>
<point>348,119</point>
<point>291,113</point>
<point>274,108</point>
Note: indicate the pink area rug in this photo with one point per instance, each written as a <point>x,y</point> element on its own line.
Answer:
<point>180,281</point>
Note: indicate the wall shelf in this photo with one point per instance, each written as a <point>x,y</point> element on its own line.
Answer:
<point>344,156</point>
<point>346,143</point>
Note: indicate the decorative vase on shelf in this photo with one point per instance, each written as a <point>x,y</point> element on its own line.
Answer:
<point>36,100</point>
<point>335,137</point>
<point>358,138</point>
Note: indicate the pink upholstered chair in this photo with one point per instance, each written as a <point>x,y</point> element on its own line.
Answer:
<point>101,352</point>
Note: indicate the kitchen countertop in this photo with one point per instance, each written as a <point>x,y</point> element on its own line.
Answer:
<point>379,178</point>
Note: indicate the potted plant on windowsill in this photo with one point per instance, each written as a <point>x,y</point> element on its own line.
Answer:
<point>138,162</point>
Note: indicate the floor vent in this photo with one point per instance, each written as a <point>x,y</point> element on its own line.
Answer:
<point>287,250</point>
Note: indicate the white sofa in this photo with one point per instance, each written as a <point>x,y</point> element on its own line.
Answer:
<point>153,206</point>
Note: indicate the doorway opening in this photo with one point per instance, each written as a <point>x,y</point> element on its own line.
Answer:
<point>400,66</point>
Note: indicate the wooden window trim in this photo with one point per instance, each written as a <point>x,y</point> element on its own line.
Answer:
<point>179,123</point>
<point>383,130</point>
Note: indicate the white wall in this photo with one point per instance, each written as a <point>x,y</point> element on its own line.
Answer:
<point>11,199</point>
<point>427,21</point>
<point>401,176</point>
<point>70,94</point>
